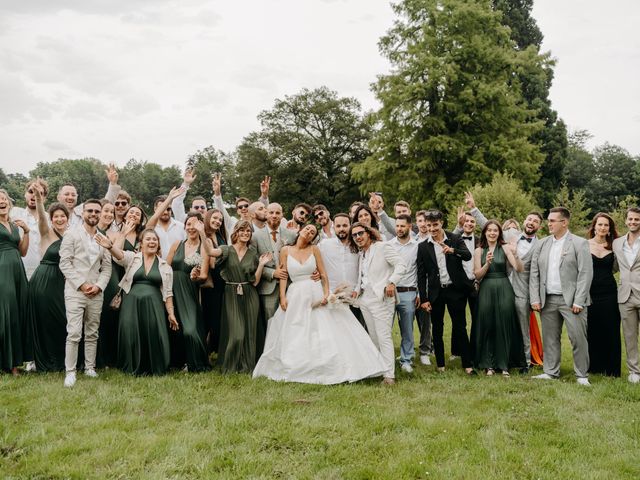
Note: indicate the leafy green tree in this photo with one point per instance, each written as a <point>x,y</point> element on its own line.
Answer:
<point>144,181</point>
<point>14,184</point>
<point>203,164</point>
<point>86,174</point>
<point>307,144</point>
<point>452,112</point>
<point>616,176</point>
<point>576,203</point>
<point>536,80</point>
<point>619,214</point>
<point>579,169</point>
<point>501,199</point>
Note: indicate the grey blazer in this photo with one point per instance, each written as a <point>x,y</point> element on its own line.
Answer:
<point>576,271</point>
<point>629,274</point>
<point>75,264</point>
<point>263,243</point>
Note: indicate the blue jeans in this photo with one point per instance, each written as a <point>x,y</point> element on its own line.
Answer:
<point>406,310</point>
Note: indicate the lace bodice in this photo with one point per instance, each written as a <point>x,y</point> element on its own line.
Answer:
<point>300,271</point>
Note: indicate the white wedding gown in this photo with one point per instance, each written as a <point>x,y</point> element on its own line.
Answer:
<point>319,345</point>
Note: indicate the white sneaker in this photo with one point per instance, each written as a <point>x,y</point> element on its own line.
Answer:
<point>90,372</point>
<point>543,376</point>
<point>30,367</point>
<point>406,367</point>
<point>633,378</point>
<point>70,379</point>
<point>583,381</point>
<point>425,360</point>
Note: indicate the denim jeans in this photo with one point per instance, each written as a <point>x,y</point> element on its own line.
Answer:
<point>406,310</point>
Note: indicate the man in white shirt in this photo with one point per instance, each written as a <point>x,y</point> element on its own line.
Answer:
<point>340,262</point>
<point>29,215</point>
<point>169,230</point>
<point>407,288</point>
<point>561,274</point>
<point>423,318</point>
<point>322,217</point>
<point>627,251</point>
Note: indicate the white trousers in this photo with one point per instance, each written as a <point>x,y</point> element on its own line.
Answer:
<point>378,315</point>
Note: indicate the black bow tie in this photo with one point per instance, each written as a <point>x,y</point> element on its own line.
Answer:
<point>528,239</point>
<point>467,238</point>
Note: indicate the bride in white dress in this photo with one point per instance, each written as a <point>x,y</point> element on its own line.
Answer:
<point>318,345</point>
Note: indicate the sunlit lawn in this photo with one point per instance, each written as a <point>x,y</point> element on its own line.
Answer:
<point>429,425</point>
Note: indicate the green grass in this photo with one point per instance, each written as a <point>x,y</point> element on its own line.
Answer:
<point>428,426</point>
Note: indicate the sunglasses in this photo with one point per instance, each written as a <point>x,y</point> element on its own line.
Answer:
<point>169,209</point>
<point>121,203</point>
<point>358,234</point>
<point>199,207</point>
<point>302,213</point>
<point>243,206</point>
<point>92,210</point>
<point>318,214</point>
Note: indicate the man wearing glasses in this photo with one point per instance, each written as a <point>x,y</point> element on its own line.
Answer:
<point>87,269</point>
<point>322,217</point>
<point>561,274</point>
<point>242,203</point>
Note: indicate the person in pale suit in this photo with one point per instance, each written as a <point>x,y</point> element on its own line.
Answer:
<point>87,269</point>
<point>381,268</point>
<point>627,252</point>
<point>561,274</point>
<point>271,240</point>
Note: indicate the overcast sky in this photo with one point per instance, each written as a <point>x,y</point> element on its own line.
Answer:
<point>159,79</point>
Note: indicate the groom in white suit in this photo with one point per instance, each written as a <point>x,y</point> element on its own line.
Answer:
<point>381,267</point>
<point>87,269</point>
<point>627,251</point>
<point>561,274</point>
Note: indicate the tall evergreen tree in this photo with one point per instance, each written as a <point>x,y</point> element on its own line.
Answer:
<point>552,139</point>
<point>452,109</point>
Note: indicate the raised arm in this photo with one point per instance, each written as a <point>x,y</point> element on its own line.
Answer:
<point>43,224</point>
<point>264,190</point>
<point>179,212</point>
<point>174,193</point>
<point>481,220</point>
<point>216,186</point>
<point>114,189</point>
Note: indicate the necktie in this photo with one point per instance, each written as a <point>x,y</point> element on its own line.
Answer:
<point>466,238</point>
<point>274,235</point>
<point>528,239</point>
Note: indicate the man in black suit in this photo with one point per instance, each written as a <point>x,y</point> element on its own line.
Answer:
<point>440,266</point>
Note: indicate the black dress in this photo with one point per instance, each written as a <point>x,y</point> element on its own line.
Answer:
<point>603,319</point>
<point>212,299</point>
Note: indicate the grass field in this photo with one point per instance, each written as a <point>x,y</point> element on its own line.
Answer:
<point>428,426</point>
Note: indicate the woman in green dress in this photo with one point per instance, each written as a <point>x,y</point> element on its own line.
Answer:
<point>47,313</point>
<point>498,341</point>
<point>185,259</point>
<point>143,340</point>
<point>241,269</point>
<point>13,288</point>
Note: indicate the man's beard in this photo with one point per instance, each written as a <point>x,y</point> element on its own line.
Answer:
<point>342,235</point>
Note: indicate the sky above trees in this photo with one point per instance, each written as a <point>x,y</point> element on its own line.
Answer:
<point>158,79</point>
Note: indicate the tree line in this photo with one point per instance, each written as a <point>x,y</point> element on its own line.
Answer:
<point>465,106</point>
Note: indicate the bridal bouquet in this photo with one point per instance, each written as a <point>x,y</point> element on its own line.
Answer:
<point>342,294</point>
<point>193,260</point>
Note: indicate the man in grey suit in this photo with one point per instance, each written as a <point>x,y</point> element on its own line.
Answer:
<point>87,269</point>
<point>627,251</point>
<point>561,273</point>
<point>270,240</point>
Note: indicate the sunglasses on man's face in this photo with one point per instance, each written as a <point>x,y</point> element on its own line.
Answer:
<point>92,210</point>
<point>243,206</point>
<point>302,213</point>
<point>358,234</point>
<point>199,207</point>
<point>123,203</point>
<point>319,214</point>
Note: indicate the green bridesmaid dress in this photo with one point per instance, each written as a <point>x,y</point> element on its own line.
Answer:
<point>47,312</point>
<point>143,340</point>
<point>498,339</point>
<point>13,301</point>
<point>186,299</point>
<point>239,323</point>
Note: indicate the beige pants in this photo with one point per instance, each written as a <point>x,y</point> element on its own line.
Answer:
<point>630,316</point>
<point>82,311</point>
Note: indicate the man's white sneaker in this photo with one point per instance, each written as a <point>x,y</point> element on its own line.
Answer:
<point>633,378</point>
<point>70,379</point>
<point>30,367</point>
<point>543,376</point>
<point>406,367</point>
<point>583,381</point>
<point>90,372</point>
<point>425,360</point>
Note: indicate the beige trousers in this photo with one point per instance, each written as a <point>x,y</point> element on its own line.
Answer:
<point>630,316</point>
<point>82,311</point>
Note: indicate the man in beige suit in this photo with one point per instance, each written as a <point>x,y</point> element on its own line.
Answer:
<point>87,269</point>
<point>381,268</point>
<point>627,250</point>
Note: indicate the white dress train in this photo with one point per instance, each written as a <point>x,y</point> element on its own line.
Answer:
<point>319,345</point>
